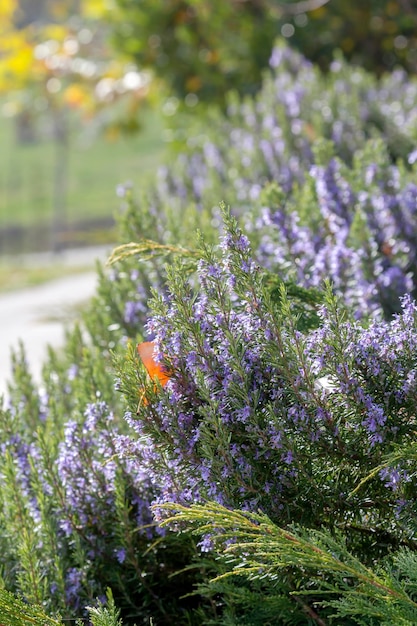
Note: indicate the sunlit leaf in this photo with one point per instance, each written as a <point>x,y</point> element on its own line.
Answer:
<point>95,9</point>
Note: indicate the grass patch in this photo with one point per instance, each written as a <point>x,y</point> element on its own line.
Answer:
<point>14,277</point>
<point>94,170</point>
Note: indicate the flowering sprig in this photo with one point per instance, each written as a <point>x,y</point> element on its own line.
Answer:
<point>75,500</point>
<point>258,414</point>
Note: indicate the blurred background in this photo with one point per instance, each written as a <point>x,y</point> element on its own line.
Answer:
<point>97,93</point>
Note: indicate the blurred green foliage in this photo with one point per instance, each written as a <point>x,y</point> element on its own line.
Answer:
<point>378,35</point>
<point>203,48</point>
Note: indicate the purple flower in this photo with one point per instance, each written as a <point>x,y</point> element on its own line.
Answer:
<point>393,477</point>
<point>121,555</point>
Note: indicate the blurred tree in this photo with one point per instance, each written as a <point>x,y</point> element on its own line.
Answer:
<point>59,56</point>
<point>15,51</point>
<point>203,48</point>
<point>56,65</point>
<point>377,35</point>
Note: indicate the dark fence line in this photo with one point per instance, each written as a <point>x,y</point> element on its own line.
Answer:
<point>46,237</point>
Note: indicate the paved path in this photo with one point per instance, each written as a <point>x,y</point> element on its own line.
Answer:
<point>38,315</point>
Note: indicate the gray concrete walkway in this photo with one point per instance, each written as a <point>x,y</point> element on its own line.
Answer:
<point>38,315</point>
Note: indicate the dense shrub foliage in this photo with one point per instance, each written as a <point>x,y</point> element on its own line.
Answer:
<point>285,436</point>
<point>321,169</point>
<point>378,35</point>
<point>184,42</point>
<point>75,514</point>
<point>247,419</point>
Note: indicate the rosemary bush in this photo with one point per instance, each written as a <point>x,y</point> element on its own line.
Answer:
<point>321,169</point>
<point>285,396</point>
<point>312,427</point>
<point>324,581</point>
<point>75,516</point>
<point>259,414</point>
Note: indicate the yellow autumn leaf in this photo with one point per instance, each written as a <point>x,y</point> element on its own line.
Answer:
<point>95,9</point>
<point>16,58</point>
<point>7,9</point>
<point>57,32</point>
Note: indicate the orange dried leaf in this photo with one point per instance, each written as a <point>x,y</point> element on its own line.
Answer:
<point>154,369</point>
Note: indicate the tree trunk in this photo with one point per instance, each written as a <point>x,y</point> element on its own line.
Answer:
<point>60,180</point>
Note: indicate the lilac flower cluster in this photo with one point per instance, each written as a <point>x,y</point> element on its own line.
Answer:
<point>364,241</point>
<point>372,372</point>
<point>245,419</point>
<point>273,136</point>
<point>331,145</point>
<point>99,502</point>
<point>21,452</point>
<point>89,474</point>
